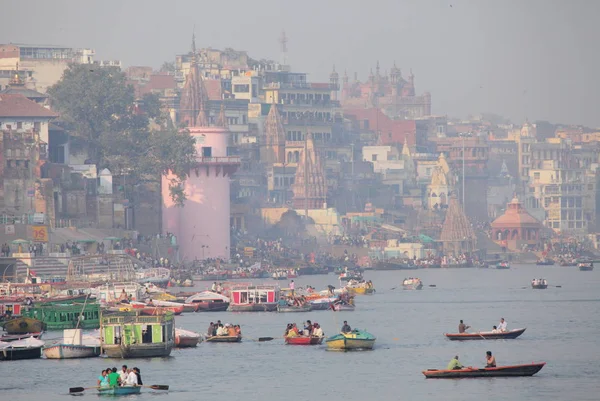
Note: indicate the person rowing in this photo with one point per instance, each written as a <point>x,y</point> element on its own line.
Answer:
<point>346,328</point>
<point>462,328</point>
<point>502,325</point>
<point>454,364</point>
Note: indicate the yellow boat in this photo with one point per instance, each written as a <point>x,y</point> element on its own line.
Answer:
<point>355,340</point>
<point>360,290</point>
<point>164,297</point>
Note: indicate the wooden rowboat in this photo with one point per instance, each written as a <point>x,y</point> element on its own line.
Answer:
<point>119,390</point>
<point>70,351</point>
<point>17,337</point>
<point>186,338</point>
<point>304,308</point>
<point>24,325</point>
<point>500,371</point>
<point>223,339</point>
<point>486,335</point>
<point>303,340</point>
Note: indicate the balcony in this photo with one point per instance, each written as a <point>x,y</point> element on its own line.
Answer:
<point>230,160</point>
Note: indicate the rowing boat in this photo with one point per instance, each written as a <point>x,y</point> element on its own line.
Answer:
<point>486,335</point>
<point>500,371</point>
<point>119,390</point>
<point>288,308</point>
<point>223,339</point>
<point>312,340</point>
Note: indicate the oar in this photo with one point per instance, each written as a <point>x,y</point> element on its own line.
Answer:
<point>81,389</point>
<point>157,387</point>
<point>432,285</point>
<point>263,339</point>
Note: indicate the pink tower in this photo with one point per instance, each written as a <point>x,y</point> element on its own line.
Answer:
<point>202,224</point>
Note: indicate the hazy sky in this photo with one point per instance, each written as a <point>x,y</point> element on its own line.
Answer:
<point>517,58</point>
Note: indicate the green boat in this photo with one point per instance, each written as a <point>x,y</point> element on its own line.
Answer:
<point>355,340</point>
<point>117,391</point>
<point>133,335</point>
<point>60,317</point>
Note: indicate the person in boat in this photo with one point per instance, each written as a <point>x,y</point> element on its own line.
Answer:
<point>490,360</point>
<point>231,331</point>
<point>331,289</point>
<point>308,328</point>
<point>317,331</point>
<point>123,374</point>
<point>213,288</point>
<point>292,286</point>
<point>495,330</point>
<point>221,331</point>
<point>463,327</point>
<point>287,329</point>
<point>237,330</point>
<point>139,376</point>
<point>454,364</point>
<point>103,379</point>
<point>211,329</point>
<point>113,378</point>
<point>502,326</point>
<point>282,302</point>
<point>131,378</point>
<point>346,327</point>
<point>293,332</point>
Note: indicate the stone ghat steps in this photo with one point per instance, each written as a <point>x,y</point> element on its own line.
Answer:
<point>43,266</point>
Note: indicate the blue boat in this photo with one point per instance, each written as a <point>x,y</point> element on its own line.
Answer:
<point>120,390</point>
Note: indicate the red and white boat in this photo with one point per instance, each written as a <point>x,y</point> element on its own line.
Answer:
<point>208,301</point>
<point>304,340</point>
<point>186,307</point>
<point>186,338</point>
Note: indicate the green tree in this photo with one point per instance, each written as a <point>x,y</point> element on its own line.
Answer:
<point>99,104</point>
<point>168,67</point>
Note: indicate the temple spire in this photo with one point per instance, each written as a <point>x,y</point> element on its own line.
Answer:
<point>274,137</point>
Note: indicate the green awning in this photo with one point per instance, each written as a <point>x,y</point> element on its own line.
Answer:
<point>20,241</point>
<point>426,238</point>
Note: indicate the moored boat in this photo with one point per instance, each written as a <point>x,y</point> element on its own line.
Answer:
<point>586,266</point>
<point>157,310</point>
<point>304,340</point>
<point>500,371</point>
<point>186,338</point>
<point>341,307</point>
<point>486,335</point>
<point>395,264</point>
<point>73,346</point>
<point>254,298</point>
<point>355,340</point>
<point>322,303</point>
<point>545,262</point>
<point>24,325</point>
<point>185,307</point>
<point>412,284</point>
<point>60,317</point>
<point>503,265</point>
<point>119,390</point>
<point>223,339</point>
<point>133,335</point>
<point>29,348</point>
<point>15,337</point>
<point>293,308</point>
<point>209,301</point>
<point>350,276</point>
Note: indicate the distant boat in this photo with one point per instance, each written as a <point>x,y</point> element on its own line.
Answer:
<point>500,371</point>
<point>15,337</point>
<point>71,351</point>
<point>355,340</point>
<point>343,307</point>
<point>503,265</point>
<point>545,262</point>
<point>304,308</point>
<point>209,301</point>
<point>540,284</point>
<point>412,284</point>
<point>486,335</point>
<point>395,264</point>
<point>586,266</point>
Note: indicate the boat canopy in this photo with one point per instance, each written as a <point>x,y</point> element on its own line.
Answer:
<point>206,296</point>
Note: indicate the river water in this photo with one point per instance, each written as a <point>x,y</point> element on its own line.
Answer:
<point>562,329</point>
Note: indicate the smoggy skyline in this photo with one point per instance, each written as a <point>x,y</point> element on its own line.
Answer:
<point>530,59</point>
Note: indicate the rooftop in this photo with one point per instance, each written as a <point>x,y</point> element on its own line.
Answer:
<point>15,105</point>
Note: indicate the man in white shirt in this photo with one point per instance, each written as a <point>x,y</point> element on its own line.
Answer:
<point>123,374</point>
<point>502,325</point>
<point>131,378</point>
<point>317,330</point>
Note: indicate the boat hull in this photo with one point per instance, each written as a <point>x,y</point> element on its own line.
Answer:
<point>539,286</point>
<point>24,325</point>
<point>66,351</point>
<point>343,308</point>
<point>321,306</point>
<point>266,307</point>
<point>17,337</point>
<point>586,268</point>
<point>292,309</point>
<point>509,335</point>
<point>14,354</point>
<point>121,390</point>
<point>501,371</point>
<point>223,339</point>
<point>138,350</point>
<point>303,340</point>
<point>355,340</point>
<point>361,291</point>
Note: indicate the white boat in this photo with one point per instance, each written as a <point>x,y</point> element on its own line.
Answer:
<point>74,346</point>
<point>343,307</point>
<point>186,338</point>
<point>29,348</point>
<point>412,284</point>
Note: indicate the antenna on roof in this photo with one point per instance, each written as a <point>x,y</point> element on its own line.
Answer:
<point>283,39</point>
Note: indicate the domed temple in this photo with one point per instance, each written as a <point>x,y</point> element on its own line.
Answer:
<point>516,227</point>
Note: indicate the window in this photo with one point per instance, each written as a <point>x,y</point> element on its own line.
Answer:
<point>365,124</point>
<point>207,151</point>
<point>373,158</point>
<point>241,88</point>
<point>428,171</point>
<point>19,125</point>
<point>536,176</point>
